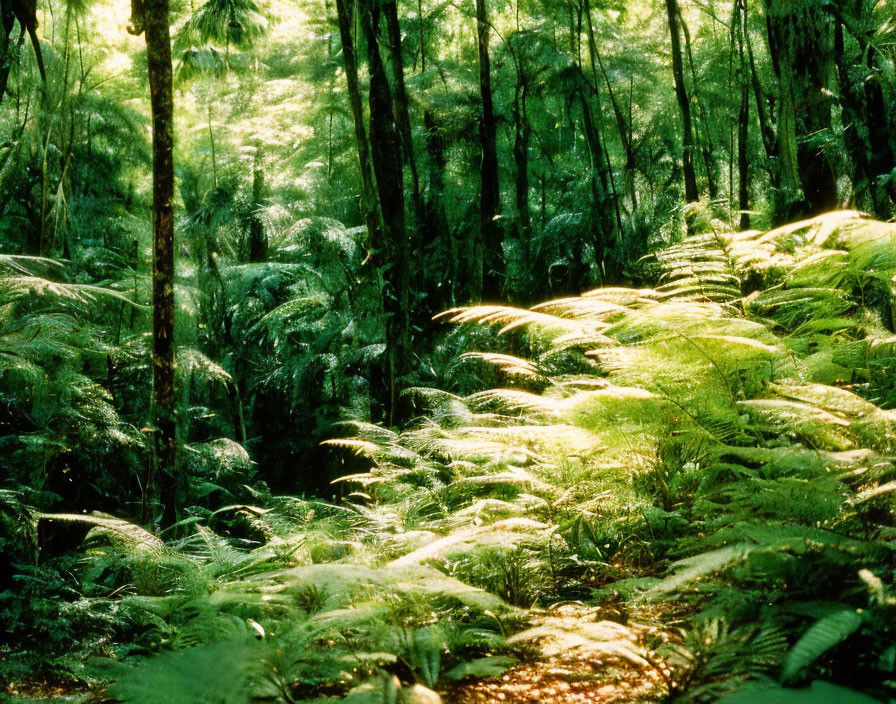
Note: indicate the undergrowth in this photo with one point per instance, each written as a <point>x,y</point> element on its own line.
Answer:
<point>695,480</point>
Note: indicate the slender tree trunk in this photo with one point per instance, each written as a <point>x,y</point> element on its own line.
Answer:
<point>400,98</point>
<point>258,242</point>
<point>601,213</point>
<point>152,17</point>
<point>743,124</point>
<point>766,131</point>
<point>7,46</point>
<point>521,135</point>
<point>391,255</point>
<point>706,148</point>
<point>420,20</point>
<point>436,233</point>
<point>624,136</point>
<point>345,12</point>
<point>403,121</point>
<point>687,160</point>
<point>624,128</point>
<point>211,139</point>
<point>490,231</point>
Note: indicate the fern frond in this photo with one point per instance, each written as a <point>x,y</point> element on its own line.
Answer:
<point>590,640</point>
<point>133,534</point>
<point>823,635</point>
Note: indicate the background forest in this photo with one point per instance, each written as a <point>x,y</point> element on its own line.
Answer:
<point>247,455</point>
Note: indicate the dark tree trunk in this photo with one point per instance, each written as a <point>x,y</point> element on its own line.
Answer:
<point>345,10</point>
<point>800,37</point>
<point>706,147</point>
<point>423,310</point>
<point>866,132</point>
<point>258,241</point>
<point>790,192</point>
<point>625,134</point>
<point>390,256</point>
<point>151,17</point>
<point>521,134</point>
<point>490,231</point>
<point>7,46</point>
<point>684,105</point>
<point>436,233</point>
<point>400,98</point>
<point>601,207</point>
<point>743,124</point>
<point>623,129</point>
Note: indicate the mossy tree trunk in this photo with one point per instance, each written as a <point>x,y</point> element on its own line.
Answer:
<point>151,17</point>
<point>801,43</point>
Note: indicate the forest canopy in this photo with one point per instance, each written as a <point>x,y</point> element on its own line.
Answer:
<point>464,351</point>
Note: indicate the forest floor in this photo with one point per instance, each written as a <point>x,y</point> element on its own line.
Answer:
<point>559,680</point>
<point>577,676</point>
<point>556,680</point>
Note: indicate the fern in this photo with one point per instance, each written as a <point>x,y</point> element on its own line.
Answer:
<point>824,634</point>
<point>217,673</point>
<point>817,693</point>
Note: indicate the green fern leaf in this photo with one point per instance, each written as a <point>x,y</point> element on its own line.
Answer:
<point>823,635</point>
<point>702,565</point>
<point>818,693</point>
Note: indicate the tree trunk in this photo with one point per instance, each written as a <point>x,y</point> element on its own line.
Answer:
<point>344,11</point>
<point>258,241</point>
<point>390,256</point>
<point>152,17</point>
<point>421,38</point>
<point>7,46</point>
<point>490,231</point>
<point>400,98</point>
<point>601,217</point>
<point>769,140</point>
<point>521,134</point>
<point>423,311</point>
<point>865,116</point>
<point>624,128</point>
<point>684,106</point>
<point>624,134</point>
<point>706,148</point>
<point>743,124</point>
<point>211,140</point>
<point>800,39</point>
<point>436,233</point>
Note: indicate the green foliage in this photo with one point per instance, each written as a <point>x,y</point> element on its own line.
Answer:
<point>823,635</point>
<point>702,428</point>
<point>817,693</point>
<point>217,672</point>
<point>687,472</point>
